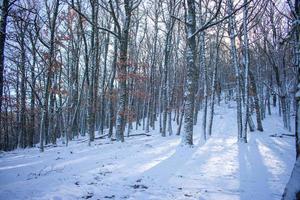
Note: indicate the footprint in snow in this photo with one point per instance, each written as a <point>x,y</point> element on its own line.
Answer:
<point>77,183</point>
<point>188,195</point>
<point>139,186</point>
<point>109,197</point>
<point>88,196</point>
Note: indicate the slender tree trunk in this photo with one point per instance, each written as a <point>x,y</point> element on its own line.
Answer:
<point>92,75</point>
<point>232,34</point>
<point>45,116</point>
<point>32,103</point>
<point>122,73</point>
<point>3,21</point>
<point>180,121</point>
<point>151,101</point>
<point>23,136</point>
<point>246,63</point>
<point>256,102</point>
<point>111,87</point>
<point>103,99</point>
<point>166,73</point>
<point>214,84</point>
<point>202,66</point>
<point>204,119</point>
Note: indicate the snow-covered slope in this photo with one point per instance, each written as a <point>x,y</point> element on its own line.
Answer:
<point>155,167</point>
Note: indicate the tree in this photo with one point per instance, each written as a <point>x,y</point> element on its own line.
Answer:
<point>47,120</point>
<point>4,8</point>
<point>123,34</point>
<point>292,190</point>
<point>246,77</point>
<point>166,78</point>
<point>187,136</point>
<point>232,35</point>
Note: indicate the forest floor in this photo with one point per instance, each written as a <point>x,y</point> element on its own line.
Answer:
<point>156,168</point>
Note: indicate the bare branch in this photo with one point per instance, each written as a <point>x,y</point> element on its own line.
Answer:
<point>88,20</point>
<point>210,23</point>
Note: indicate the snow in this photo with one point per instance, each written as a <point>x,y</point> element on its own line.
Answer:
<point>157,168</point>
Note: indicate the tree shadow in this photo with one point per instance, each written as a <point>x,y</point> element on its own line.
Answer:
<point>281,146</point>
<point>166,169</point>
<point>253,173</point>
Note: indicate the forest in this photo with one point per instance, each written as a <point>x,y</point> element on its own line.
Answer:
<point>150,99</point>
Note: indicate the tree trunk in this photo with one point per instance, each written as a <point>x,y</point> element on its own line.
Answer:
<point>204,119</point>
<point>122,73</point>
<point>232,34</point>
<point>3,22</point>
<point>103,99</point>
<point>256,102</point>
<point>187,136</point>
<point>45,116</point>
<point>165,88</point>
<point>214,83</point>
<point>292,189</point>
<point>23,137</point>
<point>111,87</point>
<point>246,63</point>
<point>180,121</point>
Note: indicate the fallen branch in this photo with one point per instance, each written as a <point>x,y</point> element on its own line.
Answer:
<point>101,136</point>
<point>113,139</point>
<point>281,135</point>
<point>290,135</point>
<point>140,134</point>
<point>96,138</point>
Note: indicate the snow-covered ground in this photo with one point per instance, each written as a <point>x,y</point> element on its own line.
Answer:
<point>156,168</point>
